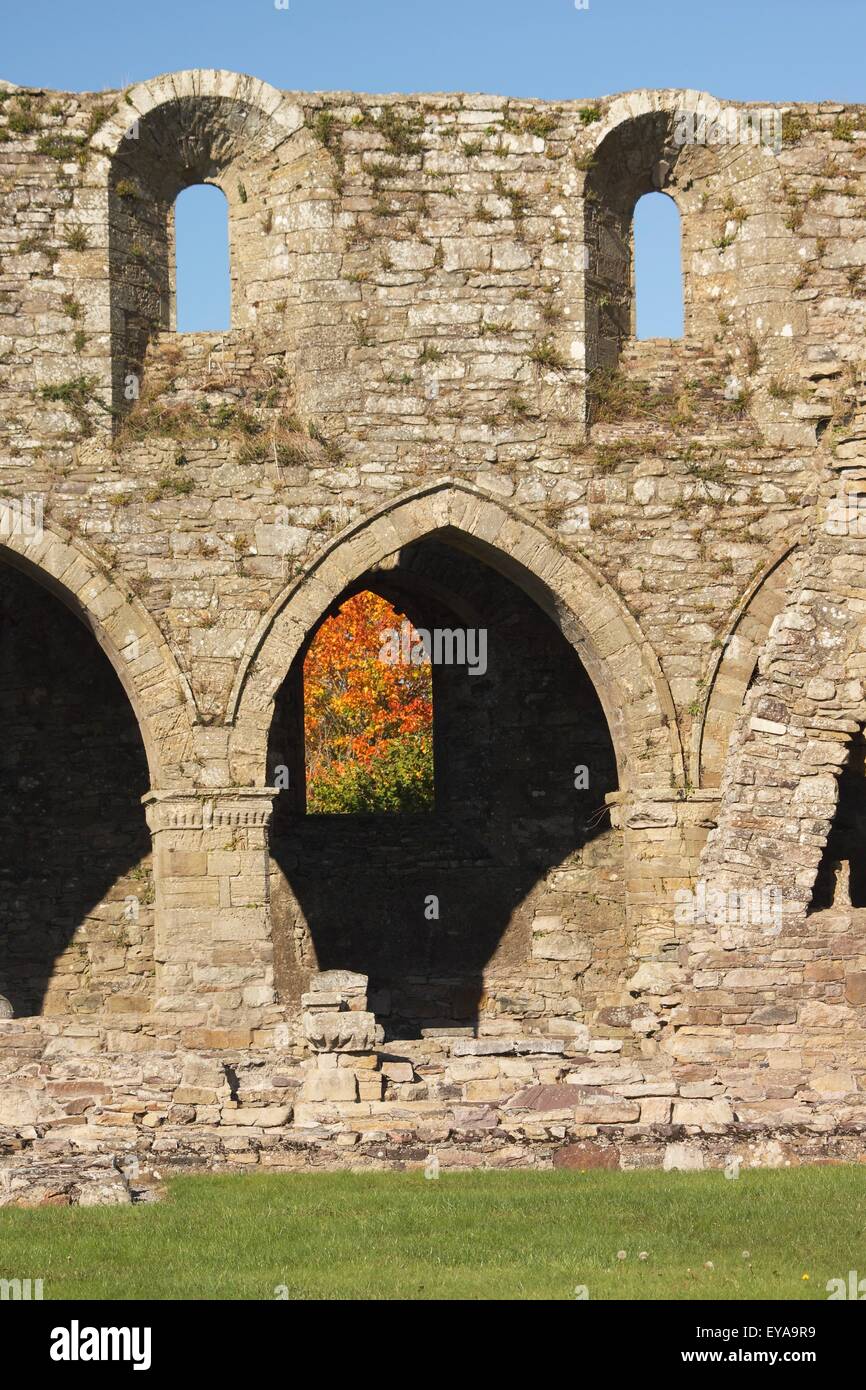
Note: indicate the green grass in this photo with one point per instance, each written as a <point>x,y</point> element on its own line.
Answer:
<point>510,1235</point>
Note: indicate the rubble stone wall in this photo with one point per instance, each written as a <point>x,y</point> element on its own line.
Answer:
<point>432,355</point>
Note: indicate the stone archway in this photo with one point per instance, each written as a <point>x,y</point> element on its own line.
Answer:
<point>92,712</point>
<point>791,980</point>
<point>623,683</point>
<point>157,689</point>
<point>184,128</point>
<point>652,141</point>
<point>735,666</point>
<point>618,659</point>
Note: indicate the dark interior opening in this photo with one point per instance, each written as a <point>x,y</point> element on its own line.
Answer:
<point>843,852</point>
<point>75,885</point>
<point>354,892</point>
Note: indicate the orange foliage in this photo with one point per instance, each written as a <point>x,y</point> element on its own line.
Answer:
<point>357,707</point>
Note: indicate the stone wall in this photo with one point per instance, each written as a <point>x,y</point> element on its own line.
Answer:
<point>431,383</point>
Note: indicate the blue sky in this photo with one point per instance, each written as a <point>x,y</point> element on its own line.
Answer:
<point>749,50</point>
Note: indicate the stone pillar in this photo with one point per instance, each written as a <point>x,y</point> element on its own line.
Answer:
<point>664,832</point>
<point>213,948</point>
<point>344,1038</point>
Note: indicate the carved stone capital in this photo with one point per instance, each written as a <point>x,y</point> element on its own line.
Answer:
<point>342,1031</point>
<point>210,808</point>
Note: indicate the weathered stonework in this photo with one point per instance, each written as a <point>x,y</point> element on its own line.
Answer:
<point>431,388</point>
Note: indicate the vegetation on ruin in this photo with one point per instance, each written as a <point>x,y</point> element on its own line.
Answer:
<point>795,124</point>
<point>615,396</point>
<point>75,395</point>
<point>325,127</point>
<point>127,189</point>
<point>401,132</point>
<point>63,148</point>
<point>538,123</point>
<point>496,1235</point>
<point>547,355</point>
<point>259,420</point>
<point>76,238</point>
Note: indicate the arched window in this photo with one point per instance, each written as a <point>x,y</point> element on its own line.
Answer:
<point>368,712</point>
<point>202,286</point>
<point>658,270</point>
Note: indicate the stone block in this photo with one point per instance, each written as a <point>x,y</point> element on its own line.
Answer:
<point>20,1107</point>
<point>683,1158</point>
<point>855,987</point>
<point>342,1031</point>
<point>338,1085</point>
<point>586,1156</point>
<point>260,1116</point>
<point>712,1115</point>
<point>343,982</point>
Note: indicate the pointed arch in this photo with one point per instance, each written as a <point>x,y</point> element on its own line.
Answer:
<point>617,657</point>
<point>735,665</point>
<point>154,684</point>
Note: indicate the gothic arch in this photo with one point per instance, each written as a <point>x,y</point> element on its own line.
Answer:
<point>157,690</point>
<point>735,665</point>
<point>618,659</point>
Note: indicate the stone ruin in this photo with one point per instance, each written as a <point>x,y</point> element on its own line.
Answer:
<point>431,389</point>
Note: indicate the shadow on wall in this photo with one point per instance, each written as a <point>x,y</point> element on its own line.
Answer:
<point>355,892</point>
<point>72,773</point>
<point>843,852</point>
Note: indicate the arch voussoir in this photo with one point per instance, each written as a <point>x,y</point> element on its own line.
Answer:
<point>619,660</point>
<point>157,690</point>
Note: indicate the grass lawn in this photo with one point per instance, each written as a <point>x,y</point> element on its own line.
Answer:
<point>506,1235</point>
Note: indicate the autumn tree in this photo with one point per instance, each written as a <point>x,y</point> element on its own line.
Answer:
<point>368,720</point>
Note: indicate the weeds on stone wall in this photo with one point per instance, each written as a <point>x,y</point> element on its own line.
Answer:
<point>262,426</point>
<point>613,396</point>
<point>75,395</point>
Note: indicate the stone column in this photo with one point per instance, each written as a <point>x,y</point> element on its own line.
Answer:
<point>213,948</point>
<point>664,832</point>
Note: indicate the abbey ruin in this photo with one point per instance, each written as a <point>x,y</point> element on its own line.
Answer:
<point>432,389</point>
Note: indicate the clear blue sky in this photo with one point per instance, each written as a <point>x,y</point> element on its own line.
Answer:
<point>749,50</point>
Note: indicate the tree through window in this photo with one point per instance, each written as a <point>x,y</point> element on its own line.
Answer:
<point>368,712</point>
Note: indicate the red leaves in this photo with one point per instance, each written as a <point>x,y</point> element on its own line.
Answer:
<point>359,709</point>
